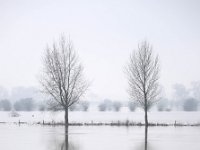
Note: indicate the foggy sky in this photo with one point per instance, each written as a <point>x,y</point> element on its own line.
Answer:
<point>104,33</point>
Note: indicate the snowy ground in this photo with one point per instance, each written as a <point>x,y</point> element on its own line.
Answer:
<point>83,117</point>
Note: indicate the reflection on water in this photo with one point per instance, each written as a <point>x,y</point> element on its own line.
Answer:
<point>66,144</point>
<point>62,143</point>
<point>146,137</point>
<point>98,138</point>
<point>145,145</point>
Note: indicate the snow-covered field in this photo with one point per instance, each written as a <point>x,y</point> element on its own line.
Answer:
<point>83,117</point>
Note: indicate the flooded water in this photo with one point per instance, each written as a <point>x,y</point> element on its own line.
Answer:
<point>36,137</point>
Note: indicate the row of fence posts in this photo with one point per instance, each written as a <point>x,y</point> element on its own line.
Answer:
<point>19,122</point>
<point>53,122</point>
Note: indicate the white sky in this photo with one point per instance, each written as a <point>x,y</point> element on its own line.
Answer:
<point>104,33</point>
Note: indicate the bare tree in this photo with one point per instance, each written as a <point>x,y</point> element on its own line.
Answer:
<point>143,75</point>
<point>131,106</point>
<point>117,105</point>
<point>62,77</point>
<point>85,105</point>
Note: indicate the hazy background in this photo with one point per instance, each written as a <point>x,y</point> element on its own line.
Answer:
<point>104,34</point>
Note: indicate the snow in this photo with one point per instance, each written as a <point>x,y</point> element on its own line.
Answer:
<point>83,117</point>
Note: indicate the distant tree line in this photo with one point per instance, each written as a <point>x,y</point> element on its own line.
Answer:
<point>80,106</point>
<point>26,104</point>
<point>5,105</point>
<point>29,104</point>
<point>108,105</point>
<point>187,104</point>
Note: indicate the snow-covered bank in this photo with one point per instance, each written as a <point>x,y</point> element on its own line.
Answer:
<point>105,117</point>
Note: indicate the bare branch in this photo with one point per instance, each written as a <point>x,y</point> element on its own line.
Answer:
<point>143,75</point>
<point>62,77</point>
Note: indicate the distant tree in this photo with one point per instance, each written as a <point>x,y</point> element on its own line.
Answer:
<point>62,77</point>
<point>73,107</point>
<point>143,75</point>
<point>132,106</point>
<point>102,106</point>
<point>108,104</point>
<point>5,105</point>
<point>26,104</point>
<point>42,107</point>
<point>105,105</point>
<point>180,93</point>
<point>85,105</point>
<point>117,105</point>
<point>162,105</point>
<point>195,90</point>
<point>190,104</point>
<point>17,106</point>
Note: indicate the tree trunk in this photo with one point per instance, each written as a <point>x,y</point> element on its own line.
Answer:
<point>146,123</point>
<point>66,121</point>
<point>145,111</point>
<point>146,118</point>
